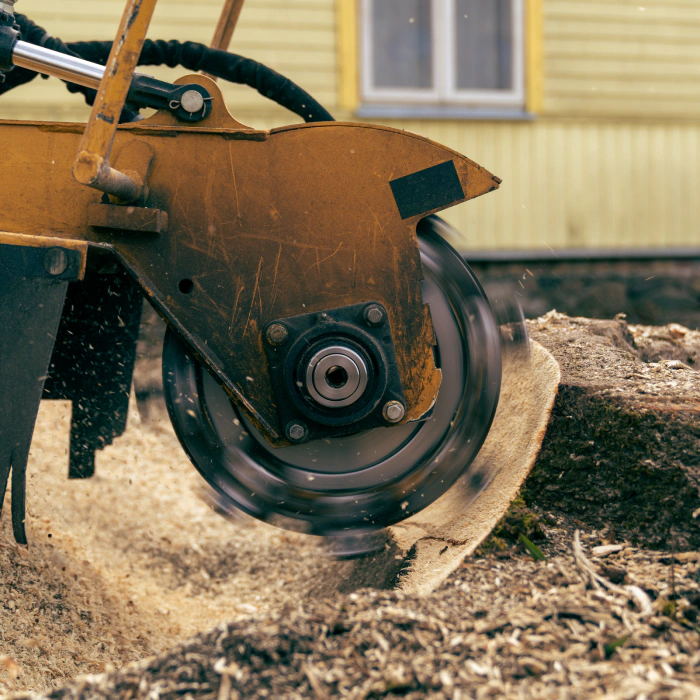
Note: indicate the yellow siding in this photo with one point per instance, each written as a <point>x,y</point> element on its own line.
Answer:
<point>578,184</point>
<point>622,58</point>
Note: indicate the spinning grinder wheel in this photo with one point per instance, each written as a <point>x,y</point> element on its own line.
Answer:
<point>369,480</point>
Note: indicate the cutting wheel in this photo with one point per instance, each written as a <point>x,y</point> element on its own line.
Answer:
<point>369,480</point>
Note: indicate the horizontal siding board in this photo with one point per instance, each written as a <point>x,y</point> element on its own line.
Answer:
<point>75,11</point>
<point>637,13</point>
<point>635,71</point>
<point>609,50</point>
<point>577,184</point>
<point>622,32</point>
<point>183,9</point>
<point>668,112</point>
<point>631,88</point>
<point>622,58</point>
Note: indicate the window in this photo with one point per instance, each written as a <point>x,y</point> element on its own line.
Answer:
<point>467,53</point>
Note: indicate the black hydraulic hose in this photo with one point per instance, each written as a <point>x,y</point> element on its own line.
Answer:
<point>189,55</point>
<point>228,66</point>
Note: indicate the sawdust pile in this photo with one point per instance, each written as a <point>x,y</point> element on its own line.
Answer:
<point>57,617</point>
<point>674,345</point>
<point>500,627</point>
<point>131,562</point>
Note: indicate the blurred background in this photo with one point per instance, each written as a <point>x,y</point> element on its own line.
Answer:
<point>589,110</point>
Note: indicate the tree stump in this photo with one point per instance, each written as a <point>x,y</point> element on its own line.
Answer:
<point>622,448</point>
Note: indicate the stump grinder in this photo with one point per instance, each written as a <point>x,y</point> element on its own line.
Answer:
<point>331,364</point>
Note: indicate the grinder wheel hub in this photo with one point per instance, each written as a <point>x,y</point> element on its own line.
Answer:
<point>370,479</point>
<point>336,376</point>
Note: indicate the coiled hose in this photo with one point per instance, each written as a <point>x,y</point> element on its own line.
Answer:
<point>190,55</point>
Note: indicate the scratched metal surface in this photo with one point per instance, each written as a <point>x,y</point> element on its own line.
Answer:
<point>266,225</point>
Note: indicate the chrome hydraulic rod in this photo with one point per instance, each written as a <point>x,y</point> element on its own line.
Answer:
<point>56,64</point>
<point>189,103</point>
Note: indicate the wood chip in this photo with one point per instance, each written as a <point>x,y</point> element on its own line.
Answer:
<point>606,550</point>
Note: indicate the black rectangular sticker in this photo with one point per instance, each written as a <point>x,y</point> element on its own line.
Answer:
<point>432,188</point>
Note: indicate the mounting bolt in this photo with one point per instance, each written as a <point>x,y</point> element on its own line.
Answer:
<point>55,261</point>
<point>277,334</point>
<point>374,315</point>
<point>393,411</point>
<point>192,101</point>
<point>296,432</point>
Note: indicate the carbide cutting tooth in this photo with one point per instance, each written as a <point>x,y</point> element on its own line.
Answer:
<point>19,495</point>
<point>15,462</point>
<point>5,467</point>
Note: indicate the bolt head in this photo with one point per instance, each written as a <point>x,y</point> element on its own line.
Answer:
<point>277,334</point>
<point>296,432</point>
<point>192,101</point>
<point>55,261</point>
<point>374,315</point>
<point>393,412</point>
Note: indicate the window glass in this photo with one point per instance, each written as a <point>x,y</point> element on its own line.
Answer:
<point>484,44</point>
<point>402,43</point>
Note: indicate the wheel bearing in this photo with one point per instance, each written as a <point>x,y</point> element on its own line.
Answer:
<point>336,376</point>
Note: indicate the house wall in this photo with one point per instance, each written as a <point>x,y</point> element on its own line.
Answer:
<point>611,157</point>
<point>622,58</point>
<point>609,160</point>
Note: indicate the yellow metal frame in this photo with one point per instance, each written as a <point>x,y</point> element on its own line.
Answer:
<point>225,27</point>
<point>228,21</point>
<point>92,166</point>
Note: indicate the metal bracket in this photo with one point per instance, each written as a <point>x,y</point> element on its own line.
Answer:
<point>127,218</point>
<point>288,343</point>
<point>35,280</point>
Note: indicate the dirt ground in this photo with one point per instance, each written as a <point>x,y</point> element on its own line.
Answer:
<point>132,561</point>
<point>130,565</point>
<point>502,626</point>
<point>134,581</point>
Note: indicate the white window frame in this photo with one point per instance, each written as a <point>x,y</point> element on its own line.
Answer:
<point>444,90</point>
